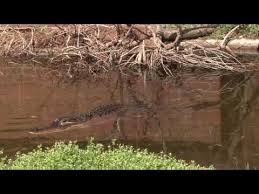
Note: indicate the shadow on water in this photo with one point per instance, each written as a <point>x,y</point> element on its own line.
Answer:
<point>203,116</point>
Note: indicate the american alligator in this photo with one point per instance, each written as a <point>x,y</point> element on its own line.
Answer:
<point>67,122</point>
<point>63,123</point>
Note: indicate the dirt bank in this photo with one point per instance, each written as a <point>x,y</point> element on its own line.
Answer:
<point>76,50</point>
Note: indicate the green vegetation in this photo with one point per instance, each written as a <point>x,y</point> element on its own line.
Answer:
<point>247,30</point>
<point>95,156</point>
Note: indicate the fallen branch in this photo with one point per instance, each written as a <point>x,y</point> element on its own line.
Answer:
<point>227,37</point>
<point>177,39</point>
<point>239,46</point>
<point>223,45</point>
<point>192,33</point>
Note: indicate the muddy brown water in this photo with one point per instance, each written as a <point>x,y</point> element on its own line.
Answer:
<point>211,118</point>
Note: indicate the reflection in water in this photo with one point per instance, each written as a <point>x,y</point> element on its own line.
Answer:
<point>207,117</point>
<point>236,113</point>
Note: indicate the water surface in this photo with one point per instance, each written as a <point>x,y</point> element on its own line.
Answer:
<point>211,118</point>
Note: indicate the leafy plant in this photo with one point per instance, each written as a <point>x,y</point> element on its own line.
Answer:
<point>94,156</point>
<point>246,30</point>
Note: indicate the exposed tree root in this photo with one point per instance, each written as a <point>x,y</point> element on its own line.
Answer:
<point>82,49</point>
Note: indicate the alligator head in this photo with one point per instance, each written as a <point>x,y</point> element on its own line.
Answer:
<point>58,125</point>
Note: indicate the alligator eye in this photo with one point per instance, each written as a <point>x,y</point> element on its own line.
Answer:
<point>61,123</point>
<point>36,129</point>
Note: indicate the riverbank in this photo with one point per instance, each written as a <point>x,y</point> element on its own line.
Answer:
<point>69,156</point>
<point>77,51</point>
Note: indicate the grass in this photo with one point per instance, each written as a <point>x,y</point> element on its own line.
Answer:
<point>70,156</point>
<point>247,30</point>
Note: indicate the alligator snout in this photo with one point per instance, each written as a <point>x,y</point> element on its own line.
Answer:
<point>35,130</point>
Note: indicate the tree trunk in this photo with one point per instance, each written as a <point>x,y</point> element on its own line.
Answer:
<point>240,46</point>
